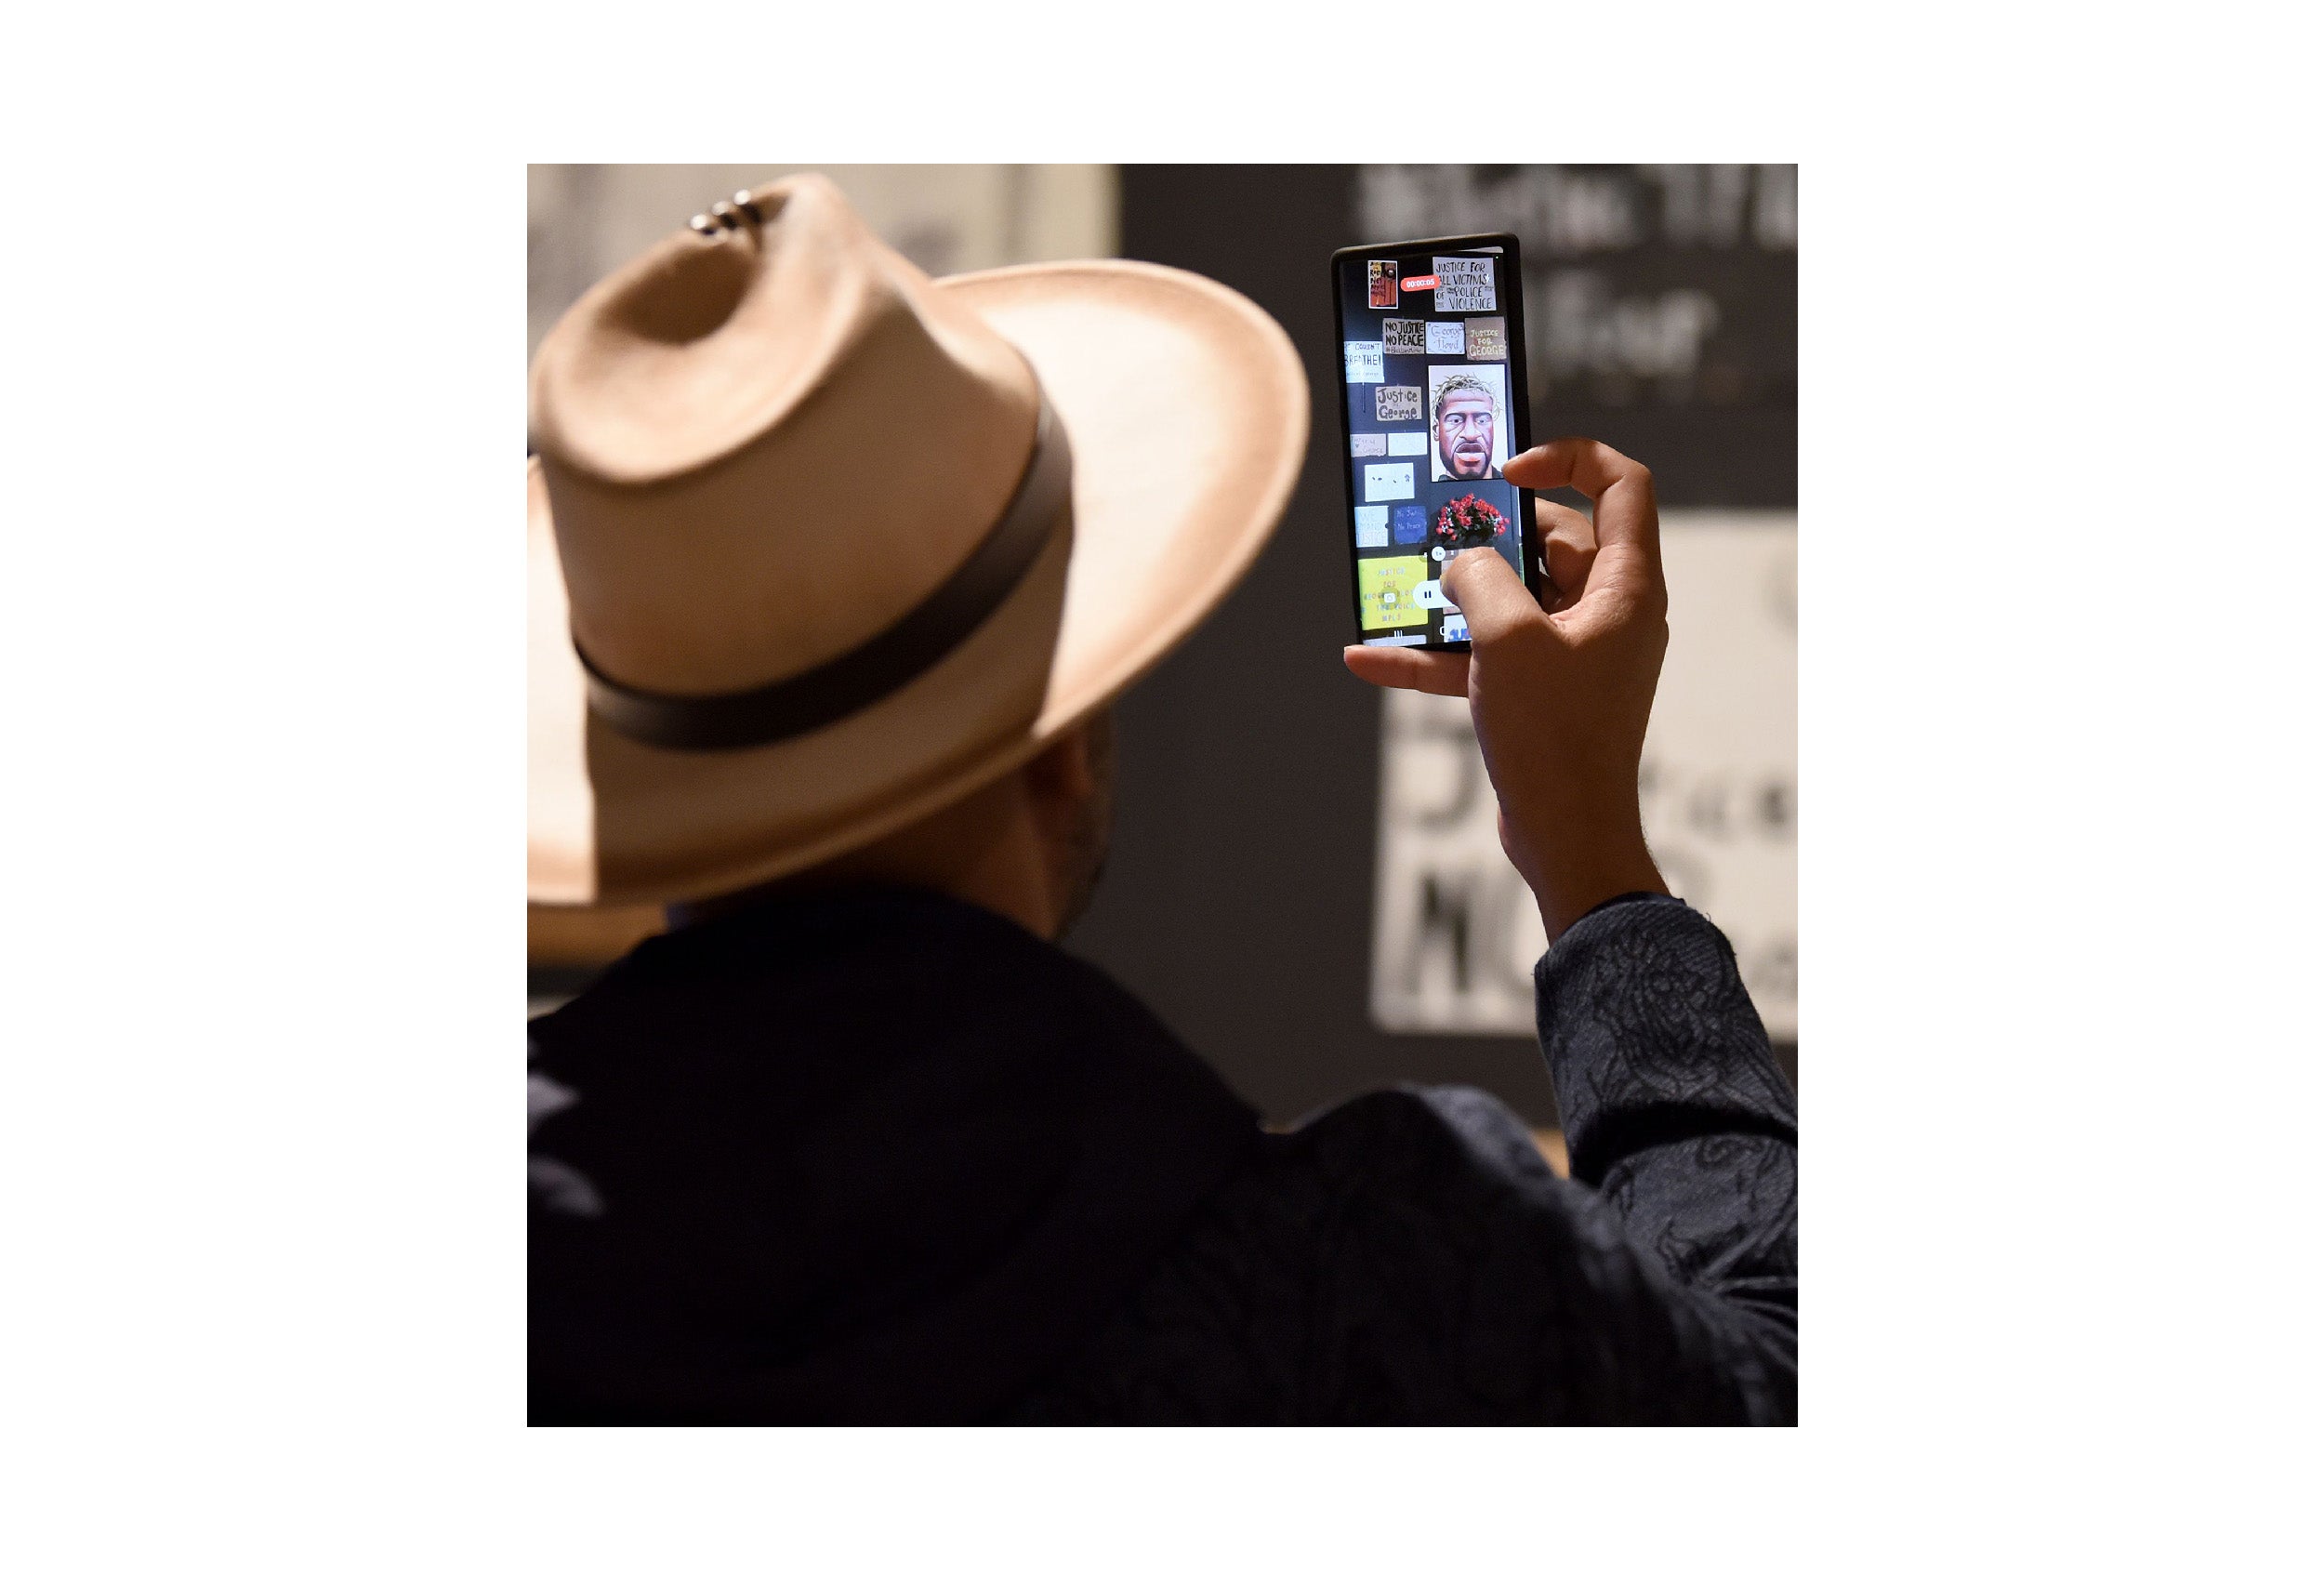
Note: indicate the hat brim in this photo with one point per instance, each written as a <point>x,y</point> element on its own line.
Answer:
<point>1187,412</point>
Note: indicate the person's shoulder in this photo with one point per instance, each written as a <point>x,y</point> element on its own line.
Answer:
<point>1416,1136</point>
<point>1386,1166</point>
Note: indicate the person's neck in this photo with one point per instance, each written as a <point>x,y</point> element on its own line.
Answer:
<point>994,865</point>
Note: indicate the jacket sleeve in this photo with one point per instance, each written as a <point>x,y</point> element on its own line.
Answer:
<point>1677,1116</point>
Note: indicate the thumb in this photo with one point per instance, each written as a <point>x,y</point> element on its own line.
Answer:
<point>1490,594</point>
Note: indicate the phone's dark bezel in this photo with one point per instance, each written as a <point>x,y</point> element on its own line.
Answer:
<point>1520,402</point>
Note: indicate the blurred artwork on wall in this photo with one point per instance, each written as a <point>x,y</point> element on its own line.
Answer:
<point>1454,931</point>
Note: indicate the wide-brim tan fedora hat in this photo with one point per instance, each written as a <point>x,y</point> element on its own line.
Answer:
<point>820,545</point>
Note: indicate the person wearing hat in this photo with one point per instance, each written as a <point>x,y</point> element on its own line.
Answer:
<point>835,569</point>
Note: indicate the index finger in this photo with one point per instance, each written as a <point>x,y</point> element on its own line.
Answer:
<point>1628,526</point>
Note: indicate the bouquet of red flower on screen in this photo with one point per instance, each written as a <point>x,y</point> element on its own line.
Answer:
<point>1467,521</point>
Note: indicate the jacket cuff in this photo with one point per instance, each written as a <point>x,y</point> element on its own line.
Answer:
<point>1641,1012</point>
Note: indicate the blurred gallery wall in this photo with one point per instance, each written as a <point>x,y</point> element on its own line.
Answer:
<point>1306,880</point>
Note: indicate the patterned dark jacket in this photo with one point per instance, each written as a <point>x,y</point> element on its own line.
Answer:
<point>880,1156</point>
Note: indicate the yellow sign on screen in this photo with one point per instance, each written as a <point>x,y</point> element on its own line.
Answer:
<point>1384,585</point>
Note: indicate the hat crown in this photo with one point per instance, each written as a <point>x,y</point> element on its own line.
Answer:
<point>765,447</point>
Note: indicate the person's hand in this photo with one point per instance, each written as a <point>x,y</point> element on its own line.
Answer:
<point>1560,692</point>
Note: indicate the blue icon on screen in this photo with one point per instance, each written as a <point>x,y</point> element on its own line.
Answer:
<point>1411,524</point>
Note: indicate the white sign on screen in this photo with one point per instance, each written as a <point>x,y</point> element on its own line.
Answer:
<point>1387,482</point>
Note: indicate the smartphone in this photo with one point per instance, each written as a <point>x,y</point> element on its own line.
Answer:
<point>1432,404</point>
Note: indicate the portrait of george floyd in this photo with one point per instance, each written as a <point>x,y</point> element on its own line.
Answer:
<point>1002,951</point>
<point>1468,426</point>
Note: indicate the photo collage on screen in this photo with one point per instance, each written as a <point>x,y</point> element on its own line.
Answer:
<point>1426,343</point>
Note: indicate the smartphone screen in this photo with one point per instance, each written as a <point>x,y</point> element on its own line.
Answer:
<point>1434,397</point>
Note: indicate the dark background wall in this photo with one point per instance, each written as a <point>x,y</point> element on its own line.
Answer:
<point>1238,897</point>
